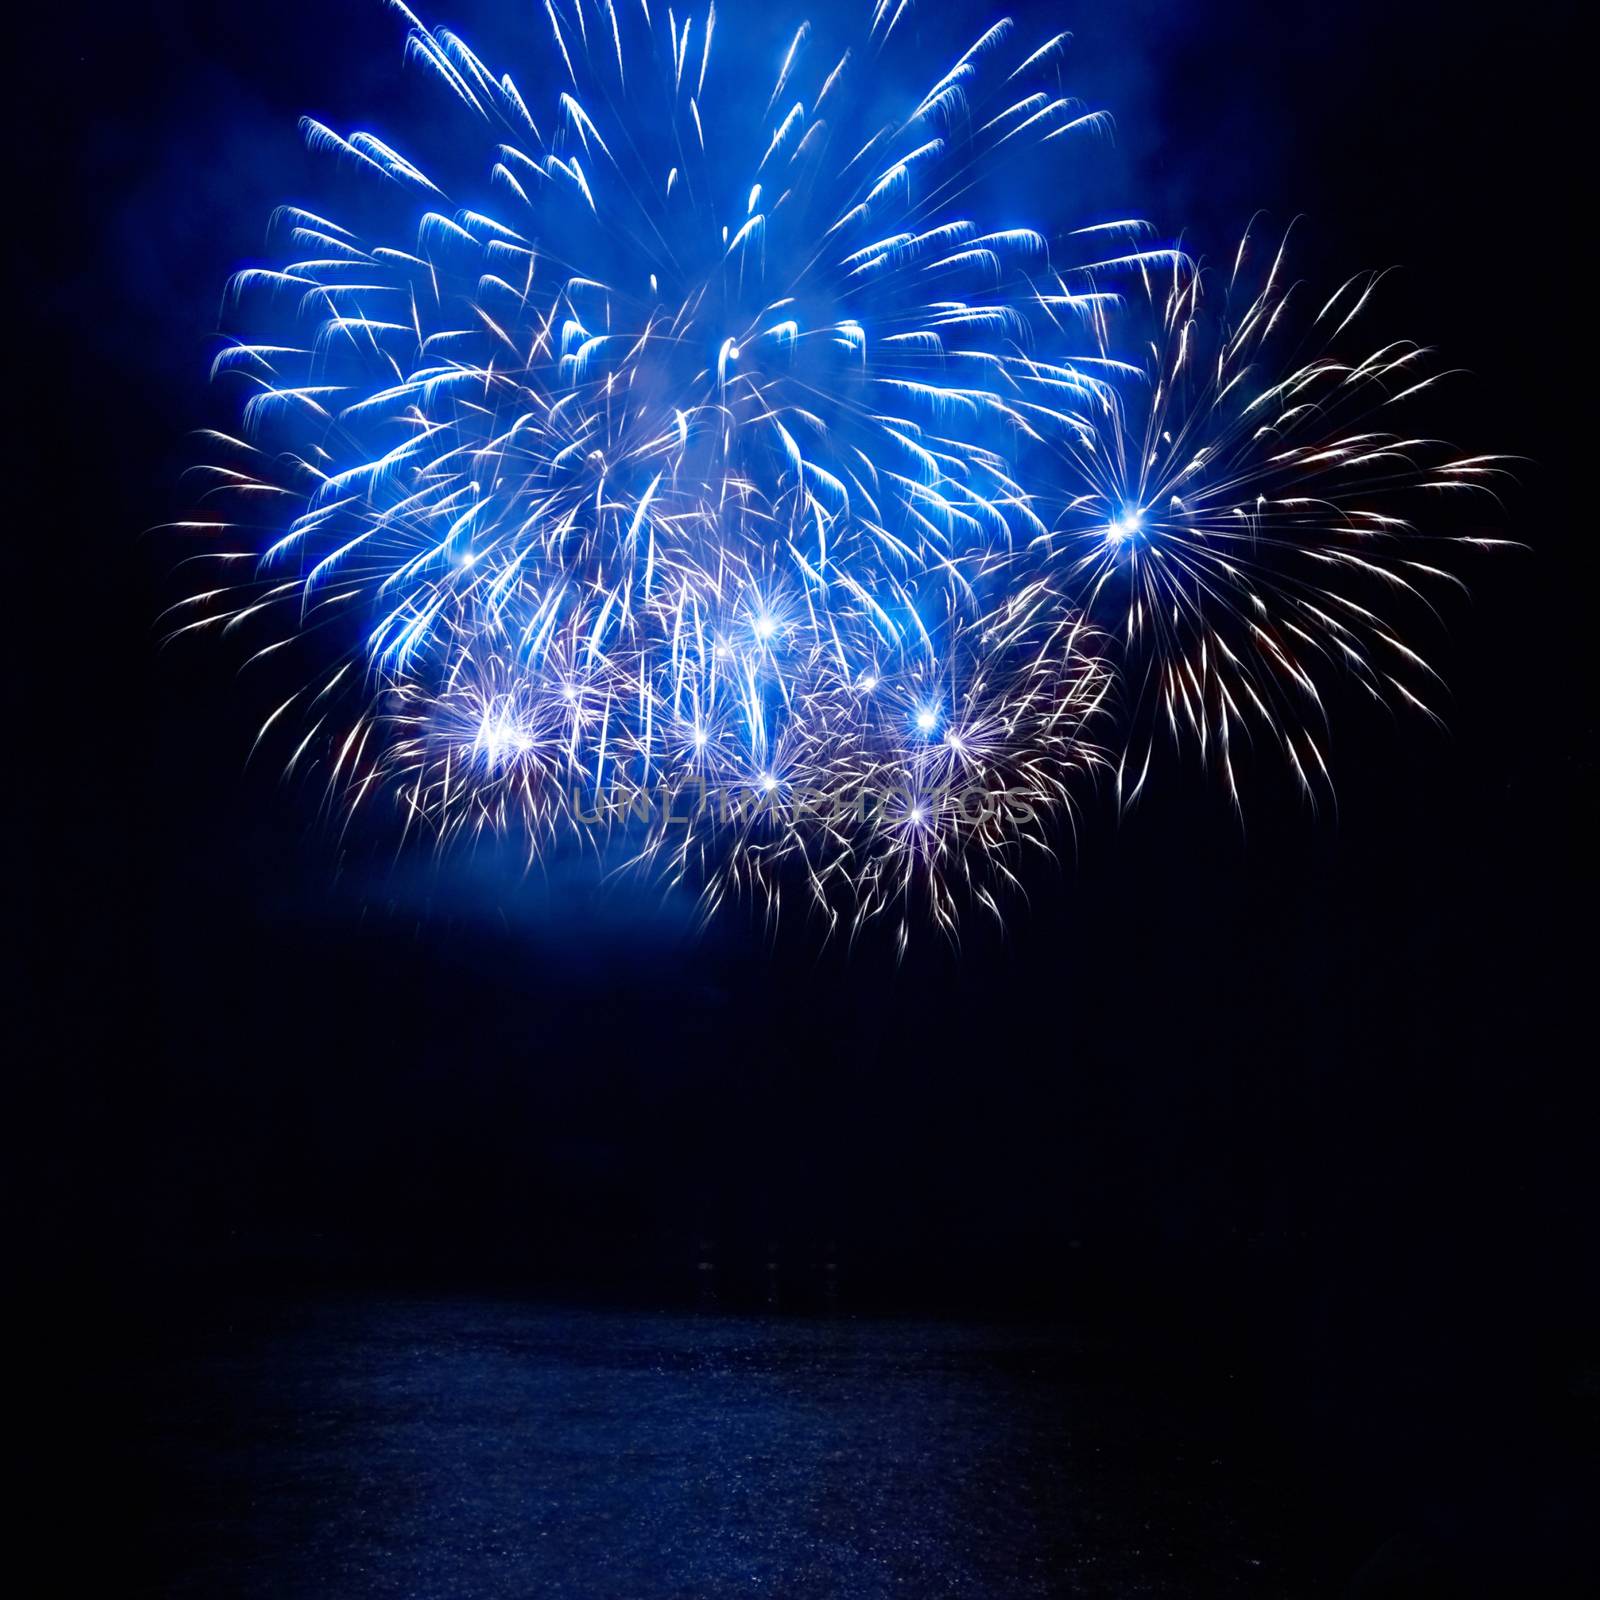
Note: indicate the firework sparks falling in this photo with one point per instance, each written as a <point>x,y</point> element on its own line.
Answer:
<point>740,442</point>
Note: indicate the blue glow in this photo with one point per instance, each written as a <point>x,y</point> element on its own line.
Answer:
<point>542,519</point>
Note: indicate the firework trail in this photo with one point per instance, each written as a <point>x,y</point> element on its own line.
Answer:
<point>726,466</point>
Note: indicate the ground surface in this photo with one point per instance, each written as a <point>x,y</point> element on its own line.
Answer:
<point>449,1448</point>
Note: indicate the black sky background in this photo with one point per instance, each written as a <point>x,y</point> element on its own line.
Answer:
<point>1305,1102</point>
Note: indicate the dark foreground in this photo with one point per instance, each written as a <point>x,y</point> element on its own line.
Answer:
<point>450,1448</point>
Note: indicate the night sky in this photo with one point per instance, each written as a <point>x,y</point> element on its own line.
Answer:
<point>1300,1105</point>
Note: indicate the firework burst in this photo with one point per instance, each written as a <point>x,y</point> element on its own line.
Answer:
<point>1243,516</point>
<point>739,474</point>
